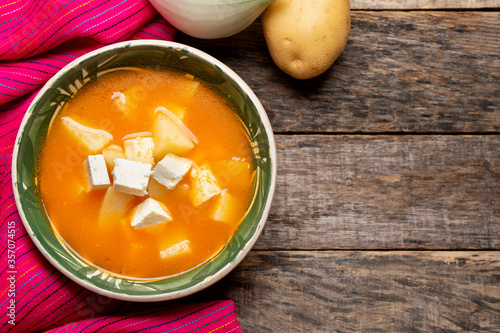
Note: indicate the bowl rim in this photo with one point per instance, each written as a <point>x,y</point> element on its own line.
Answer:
<point>208,281</point>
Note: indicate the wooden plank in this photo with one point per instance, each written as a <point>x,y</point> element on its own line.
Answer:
<point>371,291</point>
<point>423,4</point>
<point>385,192</point>
<point>418,72</point>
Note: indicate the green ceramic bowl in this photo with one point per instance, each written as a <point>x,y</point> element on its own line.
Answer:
<point>156,54</point>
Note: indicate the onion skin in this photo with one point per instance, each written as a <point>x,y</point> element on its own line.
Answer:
<point>210,19</point>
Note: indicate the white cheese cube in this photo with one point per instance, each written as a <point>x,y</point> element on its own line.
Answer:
<point>177,249</point>
<point>149,212</point>
<point>131,177</point>
<point>140,149</point>
<point>204,186</point>
<point>97,172</point>
<point>170,170</point>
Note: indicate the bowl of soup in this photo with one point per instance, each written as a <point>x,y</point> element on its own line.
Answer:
<point>145,170</point>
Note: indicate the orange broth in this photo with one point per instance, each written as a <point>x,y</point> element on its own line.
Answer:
<point>115,245</point>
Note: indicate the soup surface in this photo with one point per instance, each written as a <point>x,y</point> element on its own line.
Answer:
<point>178,117</point>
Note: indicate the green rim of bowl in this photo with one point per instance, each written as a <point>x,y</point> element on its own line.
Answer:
<point>156,54</point>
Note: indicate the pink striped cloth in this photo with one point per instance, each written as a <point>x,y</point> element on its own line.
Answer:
<point>37,38</point>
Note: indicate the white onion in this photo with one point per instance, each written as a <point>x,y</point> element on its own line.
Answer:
<point>210,18</point>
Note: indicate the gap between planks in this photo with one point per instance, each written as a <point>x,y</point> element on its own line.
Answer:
<point>483,9</point>
<point>371,250</point>
<point>435,134</point>
<point>424,4</point>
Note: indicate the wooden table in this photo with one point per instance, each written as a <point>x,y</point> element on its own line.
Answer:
<point>386,216</point>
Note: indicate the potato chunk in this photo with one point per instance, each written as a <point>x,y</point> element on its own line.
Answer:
<point>129,101</point>
<point>204,186</point>
<point>170,135</point>
<point>189,88</point>
<point>120,100</point>
<point>176,109</point>
<point>161,193</point>
<point>233,173</point>
<point>110,154</point>
<point>226,208</point>
<point>140,149</point>
<point>115,205</point>
<point>176,250</point>
<point>91,139</point>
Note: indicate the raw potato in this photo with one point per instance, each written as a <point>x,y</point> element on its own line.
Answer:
<point>305,37</point>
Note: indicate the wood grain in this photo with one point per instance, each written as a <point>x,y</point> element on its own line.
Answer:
<point>351,291</point>
<point>358,193</point>
<point>412,72</point>
<point>423,4</point>
<point>385,192</point>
